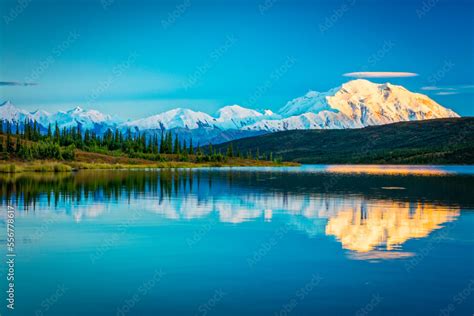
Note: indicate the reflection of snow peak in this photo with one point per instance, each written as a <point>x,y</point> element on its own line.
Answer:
<point>371,229</point>
<point>386,224</point>
<point>360,225</point>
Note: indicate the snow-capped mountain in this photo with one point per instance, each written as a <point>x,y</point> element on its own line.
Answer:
<point>86,119</point>
<point>176,118</point>
<point>8,112</point>
<point>237,117</point>
<point>355,104</point>
<point>232,117</point>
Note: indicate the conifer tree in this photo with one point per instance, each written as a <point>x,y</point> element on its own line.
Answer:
<point>230,151</point>
<point>57,135</point>
<point>49,131</point>
<point>176,149</point>
<point>191,149</point>
<point>169,143</point>
<point>184,150</point>
<point>18,145</point>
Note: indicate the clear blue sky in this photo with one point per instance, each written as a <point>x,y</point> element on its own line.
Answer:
<point>137,58</point>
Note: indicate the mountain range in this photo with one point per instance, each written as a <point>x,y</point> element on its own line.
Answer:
<point>355,104</point>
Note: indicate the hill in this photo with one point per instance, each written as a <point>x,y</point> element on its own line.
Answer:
<point>437,141</point>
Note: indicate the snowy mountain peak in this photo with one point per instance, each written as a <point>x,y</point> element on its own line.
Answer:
<point>312,101</point>
<point>236,111</point>
<point>77,109</point>
<point>357,103</point>
<point>175,118</point>
<point>9,112</point>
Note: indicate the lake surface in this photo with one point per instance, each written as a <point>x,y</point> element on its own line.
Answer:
<point>310,240</point>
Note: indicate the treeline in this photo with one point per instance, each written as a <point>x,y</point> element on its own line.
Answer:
<point>28,142</point>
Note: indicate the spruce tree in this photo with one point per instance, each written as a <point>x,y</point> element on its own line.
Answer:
<point>162,142</point>
<point>176,149</point>
<point>35,135</point>
<point>169,143</point>
<point>191,149</point>
<point>50,134</point>
<point>185,149</point>
<point>9,141</point>
<point>57,135</point>
<point>87,138</point>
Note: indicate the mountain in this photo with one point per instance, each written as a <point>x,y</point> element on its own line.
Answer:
<point>238,117</point>
<point>86,119</point>
<point>232,117</point>
<point>8,112</point>
<point>436,141</point>
<point>355,104</point>
<point>176,118</point>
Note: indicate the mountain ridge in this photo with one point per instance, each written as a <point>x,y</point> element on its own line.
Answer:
<point>354,104</point>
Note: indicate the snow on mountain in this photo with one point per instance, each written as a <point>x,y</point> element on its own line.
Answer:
<point>89,115</point>
<point>40,116</point>
<point>357,103</point>
<point>87,119</point>
<point>312,101</point>
<point>374,104</point>
<point>8,112</point>
<point>321,120</point>
<point>233,117</point>
<point>176,118</point>
<point>237,117</point>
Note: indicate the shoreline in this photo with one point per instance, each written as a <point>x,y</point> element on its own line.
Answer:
<point>65,166</point>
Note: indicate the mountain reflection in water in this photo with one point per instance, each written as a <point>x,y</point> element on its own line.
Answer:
<point>368,220</point>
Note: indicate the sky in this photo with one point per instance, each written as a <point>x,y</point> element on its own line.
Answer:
<point>139,58</point>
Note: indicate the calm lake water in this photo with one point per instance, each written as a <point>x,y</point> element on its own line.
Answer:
<point>311,240</point>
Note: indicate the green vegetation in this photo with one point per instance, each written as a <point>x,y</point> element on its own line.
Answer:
<point>27,149</point>
<point>440,141</point>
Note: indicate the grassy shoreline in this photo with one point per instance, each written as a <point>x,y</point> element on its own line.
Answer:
<point>66,166</point>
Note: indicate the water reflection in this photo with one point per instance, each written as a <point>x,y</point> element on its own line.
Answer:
<point>357,210</point>
<point>390,170</point>
<point>385,225</point>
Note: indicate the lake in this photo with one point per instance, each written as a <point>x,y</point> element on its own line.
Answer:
<point>310,240</point>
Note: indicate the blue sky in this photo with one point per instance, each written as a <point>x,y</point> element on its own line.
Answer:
<point>138,58</point>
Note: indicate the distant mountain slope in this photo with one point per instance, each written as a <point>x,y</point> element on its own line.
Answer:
<point>429,142</point>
